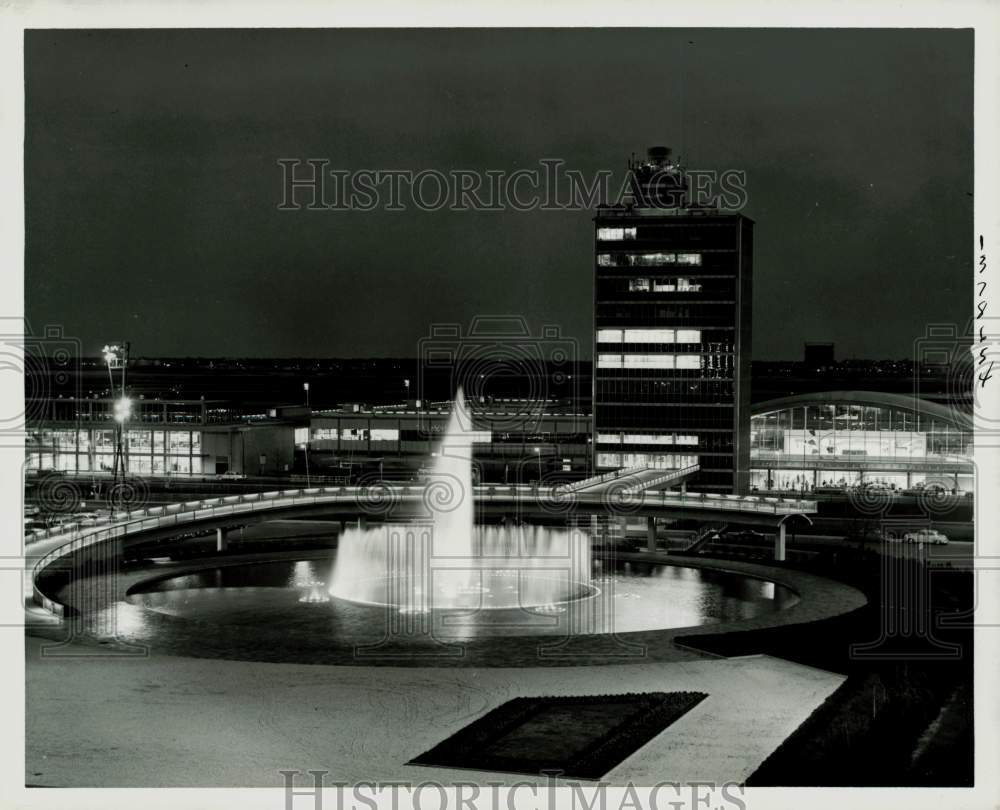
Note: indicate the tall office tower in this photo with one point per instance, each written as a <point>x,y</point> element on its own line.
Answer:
<point>672,299</point>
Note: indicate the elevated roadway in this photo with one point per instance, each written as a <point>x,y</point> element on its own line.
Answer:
<point>616,498</point>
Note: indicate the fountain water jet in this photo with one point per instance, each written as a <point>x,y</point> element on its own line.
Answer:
<point>452,563</point>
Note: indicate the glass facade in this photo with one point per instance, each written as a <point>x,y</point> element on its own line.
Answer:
<point>847,444</point>
<point>671,349</point>
<point>168,451</point>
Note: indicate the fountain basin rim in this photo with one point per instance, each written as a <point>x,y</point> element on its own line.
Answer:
<point>590,592</point>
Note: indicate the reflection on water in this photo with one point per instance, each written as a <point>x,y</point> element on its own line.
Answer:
<point>287,599</point>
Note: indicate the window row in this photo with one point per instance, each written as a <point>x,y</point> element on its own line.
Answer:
<point>356,434</point>
<point>647,259</point>
<point>104,462</point>
<point>644,389</point>
<point>683,361</point>
<point>139,441</point>
<point>646,438</point>
<point>649,336</point>
<point>665,286</point>
<point>658,461</point>
<point>695,314</point>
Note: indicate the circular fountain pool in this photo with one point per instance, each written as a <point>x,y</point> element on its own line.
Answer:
<point>283,611</point>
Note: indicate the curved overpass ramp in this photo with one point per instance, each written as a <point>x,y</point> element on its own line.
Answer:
<point>620,497</point>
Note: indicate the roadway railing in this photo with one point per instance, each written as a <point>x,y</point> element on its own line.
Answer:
<point>596,480</point>
<point>667,477</point>
<point>928,463</point>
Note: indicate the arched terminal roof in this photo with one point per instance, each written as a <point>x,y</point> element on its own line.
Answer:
<point>876,398</point>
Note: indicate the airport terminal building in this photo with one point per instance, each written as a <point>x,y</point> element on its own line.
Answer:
<point>833,439</point>
<point>839,439</point>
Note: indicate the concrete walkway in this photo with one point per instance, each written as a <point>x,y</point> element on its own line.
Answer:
<point>170,721</point>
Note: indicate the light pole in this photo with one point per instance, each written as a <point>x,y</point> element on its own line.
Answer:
<point>305,387</point>
<point>116,358</point>
<point>538,455</point>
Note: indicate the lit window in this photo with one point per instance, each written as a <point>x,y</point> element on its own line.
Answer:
<point>684,285</point>
<point>609,438</point>
<point>664,286</point>
<point>689,258</point>
<point>648,438</point>
<point>648,360</point>
<point>683,439</point>
<point>609,460</point>
<point>384,434</point>
<point>689,336</point>
<point>301,435</point>
<point>689,361</point>
<point>652,259</point>
<point>178,442</point>
<point>649,335</point>
<point>609,335</point>
<point>638,285</point>
<point>604,260</point>
<point>615,234</point>
<point>609,361</point>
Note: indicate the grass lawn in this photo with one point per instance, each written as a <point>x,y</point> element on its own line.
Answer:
<point>579,737</point>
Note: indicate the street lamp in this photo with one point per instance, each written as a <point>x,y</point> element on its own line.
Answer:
<point>116,358</point>
<point>123,410</point>
<point>538,455</point>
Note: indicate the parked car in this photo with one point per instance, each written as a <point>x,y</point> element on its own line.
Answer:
<point>931,536</point>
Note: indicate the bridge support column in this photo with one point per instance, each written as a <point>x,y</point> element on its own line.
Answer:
<point>684,487</point>
<point>651,534</point>
<point>779,543</point>
<point>221,543</point>
<point>362,523</point>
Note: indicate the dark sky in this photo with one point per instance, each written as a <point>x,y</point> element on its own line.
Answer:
<point>152,181</point>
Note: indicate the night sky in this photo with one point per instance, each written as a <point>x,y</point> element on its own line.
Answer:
<point>152,181</point>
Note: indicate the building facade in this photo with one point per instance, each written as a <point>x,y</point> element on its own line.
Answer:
<point>162,438</point>
<point>845,439</point>
<point>672,331</point>
<point>521,441</point>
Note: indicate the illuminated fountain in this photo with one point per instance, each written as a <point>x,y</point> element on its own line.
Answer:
<point>450,563</point>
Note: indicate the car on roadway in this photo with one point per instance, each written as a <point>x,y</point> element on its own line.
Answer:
<point>931,536</point>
